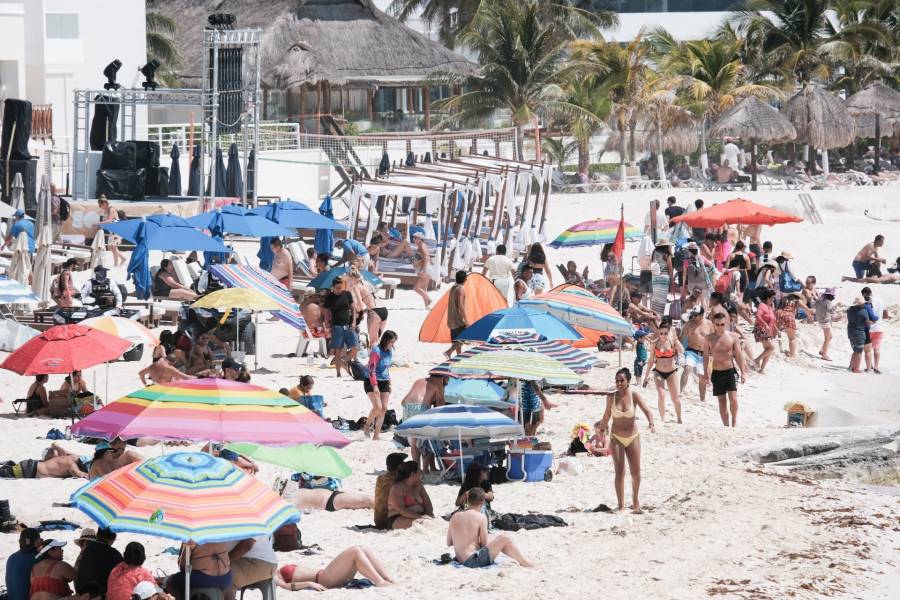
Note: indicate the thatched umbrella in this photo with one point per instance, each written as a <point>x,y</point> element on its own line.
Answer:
<point>821,120</point>
<point>754,120</point>
<point>875,103</point>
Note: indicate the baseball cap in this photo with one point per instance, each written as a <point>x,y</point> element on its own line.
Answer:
<point>19,214</point>
<point>145,590</point>
<point>48,544</point>
<point>99,268</point>
<point>394,460</point>
<point>230,363</point>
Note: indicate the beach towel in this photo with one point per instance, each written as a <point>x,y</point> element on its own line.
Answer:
<point>515,522</point>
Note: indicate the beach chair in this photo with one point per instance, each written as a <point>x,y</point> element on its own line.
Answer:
<point>306,338</point>
<point>182,273</point>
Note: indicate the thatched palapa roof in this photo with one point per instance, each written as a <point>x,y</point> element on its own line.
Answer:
<point>820,118</point>
<point>751,118</point>
<point>307,41</point>
<point>876,99</point>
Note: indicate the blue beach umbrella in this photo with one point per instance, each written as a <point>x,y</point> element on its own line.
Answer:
<point>519,321</point>
<point>325,237</point>
<point>296,215</point>
<point>480,392</point>
<point>167,232</point>
<point>460,421</point>
<point>236,219</point>
<point>324,280</point>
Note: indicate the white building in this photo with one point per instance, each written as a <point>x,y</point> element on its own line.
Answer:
<point>48,48</point>
<point>684,19</point>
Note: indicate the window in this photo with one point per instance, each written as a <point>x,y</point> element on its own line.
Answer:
<point>62,26</point>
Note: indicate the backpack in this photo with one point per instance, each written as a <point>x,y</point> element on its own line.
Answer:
<point>64,210</point>
<point>723,283</point>
<point>786,282</point>
<point>358,371</point>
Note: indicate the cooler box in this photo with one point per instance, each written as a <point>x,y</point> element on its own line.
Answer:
<point>530,465</point>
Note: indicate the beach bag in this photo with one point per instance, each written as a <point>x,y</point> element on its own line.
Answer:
<point>64,210</point>
<point>287,538</point>
<point>723,283</point>
<point>358,371</point>
<point>787,284</point>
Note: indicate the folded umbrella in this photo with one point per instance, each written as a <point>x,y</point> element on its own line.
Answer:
<point>324,243</point>
<point>194,174</point>
<point>175,172</point>
<point>234,182</point>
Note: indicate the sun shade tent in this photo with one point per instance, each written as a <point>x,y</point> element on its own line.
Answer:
<point>482,298</point>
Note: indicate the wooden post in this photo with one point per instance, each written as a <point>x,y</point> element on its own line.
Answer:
<point>326,98</point>
<point>318,107</point>
<point>341,88</point>
<point>370,91</point>
<point>426,104</point>
<point>302,92</point>
<point>265,103</point>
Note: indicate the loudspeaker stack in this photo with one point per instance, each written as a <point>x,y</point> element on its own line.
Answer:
<point>14,155</point>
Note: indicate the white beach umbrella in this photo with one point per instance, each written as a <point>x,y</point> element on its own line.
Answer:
<point>43,266</point>
<point>13,335</point>
<point>98,246</point>
<point>20,263</point>
<point>18,193</point>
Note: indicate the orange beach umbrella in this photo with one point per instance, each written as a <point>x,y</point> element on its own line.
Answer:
<point>737,212</point>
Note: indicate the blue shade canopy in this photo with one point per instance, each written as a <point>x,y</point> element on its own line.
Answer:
<point>325,237</point>
<point>519,321</point>
<point>460,421</point>
<point>167,232</point>
<point>289,213</point>
<point>239,221</point>
<point>324,280</point>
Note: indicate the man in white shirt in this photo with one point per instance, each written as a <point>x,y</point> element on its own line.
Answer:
<point>500,270</point>
<point>876,329</point>
<point>252,560</point>
<point>732,154</point>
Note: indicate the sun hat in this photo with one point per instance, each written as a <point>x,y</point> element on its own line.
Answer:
<point>48,544</point>
<point>692,246</point>
<point>88,534</point>
<point>786,255</point>
<point>145,590</point>
<point>859,301</point>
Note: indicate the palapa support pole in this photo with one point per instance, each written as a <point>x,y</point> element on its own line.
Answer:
<point>753,164</point>
<point>877,143</point>
<point>621,279</point>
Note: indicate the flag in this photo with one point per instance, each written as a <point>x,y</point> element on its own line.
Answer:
<point>619,243</point>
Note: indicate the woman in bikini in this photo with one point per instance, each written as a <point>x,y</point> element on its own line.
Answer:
<point>110,215</point>
<point>408,501</point>
<point>365,302</point>
<point>338,573</point>
<point>51,575</point>
<point>625,441</point>
<point>662,364</point>
<point>765,329</point>
<point>421,262</point>
<point>541,276</point>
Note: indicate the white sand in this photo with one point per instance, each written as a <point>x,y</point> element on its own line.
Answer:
<point>715,525</point>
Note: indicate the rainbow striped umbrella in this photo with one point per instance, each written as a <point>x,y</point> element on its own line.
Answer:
<point>593,233</point>
<point>577,306</point>
<point>517,364</point>
<point>216,410</point>
<point>575,359</point>
<point>243,276</point>
<point>185,496</point>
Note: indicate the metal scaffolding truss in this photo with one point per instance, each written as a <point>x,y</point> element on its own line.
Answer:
<point>207,99</point>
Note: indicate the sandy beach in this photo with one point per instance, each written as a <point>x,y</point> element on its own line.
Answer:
<point>716,524</point>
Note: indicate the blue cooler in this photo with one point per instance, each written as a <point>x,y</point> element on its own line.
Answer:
<point>529,465</point>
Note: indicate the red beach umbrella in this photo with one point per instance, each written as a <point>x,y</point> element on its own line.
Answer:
<point>737,212</point>
<point>63,349</point>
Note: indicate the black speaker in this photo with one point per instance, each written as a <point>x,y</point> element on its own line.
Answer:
<point>146,154</point>
<point>103,125</point>
<point>121,184</point>
<point>156,182</point>
<point>16,129</point>
<point>119,156</point>
<point>231,71</point>
<point>28,169</point>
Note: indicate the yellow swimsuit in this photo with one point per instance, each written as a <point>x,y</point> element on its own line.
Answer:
<point>619,414</point>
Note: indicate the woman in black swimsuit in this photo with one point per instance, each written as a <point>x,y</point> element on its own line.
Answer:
<point>664,352</point>
<point>37,403</point>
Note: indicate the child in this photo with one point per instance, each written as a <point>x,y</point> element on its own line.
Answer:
<point>598,444</point>
<point>640,352</point>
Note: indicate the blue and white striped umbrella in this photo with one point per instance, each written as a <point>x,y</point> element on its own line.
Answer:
<point>460,421</point>
<point>479,392</point>
<point>13,292</point>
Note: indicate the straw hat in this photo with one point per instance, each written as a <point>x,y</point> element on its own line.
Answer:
<point>859,301</point>
<point>87,535</point>
<point>786,255</point>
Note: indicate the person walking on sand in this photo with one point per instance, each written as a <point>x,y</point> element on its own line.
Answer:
<point>422,262</point>
<point>625,438</point>
<point>663,365</point>
<point>867,262</point>
<point>860,317</point>
<point>696,329</point>
<point>765,329</point>
<point>378,385</point>
<point>722,351</point>
<point>876,330</point>
<point>456,313</point>
<point>468,535</point>
<point>825,316</point>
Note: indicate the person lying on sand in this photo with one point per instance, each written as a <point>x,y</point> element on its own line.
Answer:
<point>468,535</point>
<point>59,466</point>
<point>332,500</point>
<point>338,573</point>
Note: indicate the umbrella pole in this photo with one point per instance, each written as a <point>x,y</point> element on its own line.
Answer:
<point>877,143</point>
<point>256,341</point>
<point>187,571</point>
<point>107,387</point>
<point>753,164</point>
<point>237,329</point>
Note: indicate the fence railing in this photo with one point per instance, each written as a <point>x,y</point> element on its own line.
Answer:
<point>272,136</point>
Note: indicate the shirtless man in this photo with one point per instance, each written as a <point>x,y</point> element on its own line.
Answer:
<point>468,535</point>
<point>639,314</point>
<point>282,264</point>
<point>312,314</point>
<point>695,332</point>
<point>723,349</point>
<point>754,241</point>
<point>867,263</point>
<point>161,371</point>
<point>65,465</point>
<point>109,456</point>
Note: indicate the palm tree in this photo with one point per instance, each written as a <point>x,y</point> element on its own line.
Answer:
<point>621,73</point>
<point>520,69</point>
<point>572,18</point>
<point>558,150</point>
<point>161,46</point>
<point>862,35</point>
<point>585,93</point>
<point>710,74</point>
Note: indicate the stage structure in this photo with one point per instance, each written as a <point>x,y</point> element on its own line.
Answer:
<point>229,102</point>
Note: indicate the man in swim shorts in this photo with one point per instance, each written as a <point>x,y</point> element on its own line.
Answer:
<point>696,330</point>
<point>66,465</point>
<point>468,535</point>
<point>867,263</point>
<point>721,351</point>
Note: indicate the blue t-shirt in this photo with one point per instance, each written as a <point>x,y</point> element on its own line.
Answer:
<point>28,227</point>
<point>385,358</point>
<point>18,574</point>
<point>355,247</point>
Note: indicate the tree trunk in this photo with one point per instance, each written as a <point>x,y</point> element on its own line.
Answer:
<point>704,155</point>
<point>623,158</point>
<point>877,143</point>
<point>631,135</point>
<point>753,164</point>
<point>660,159</point>
<point>520,141</point>
<point>584,158</point>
